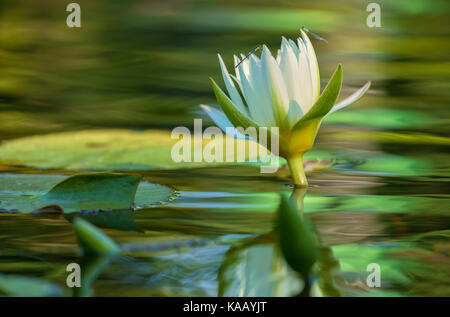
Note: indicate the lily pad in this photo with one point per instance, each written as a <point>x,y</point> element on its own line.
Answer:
<point>100,191</point>
<point>82,192</point>
<point>103,150</point>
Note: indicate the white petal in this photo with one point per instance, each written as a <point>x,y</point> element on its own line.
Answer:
<point>222,122</point>
<point>274,83</point>
<point>305,84</point>
<point>232,91</point>
<point>254,60</point>
<point>237,81</point>
<point>351,99</point>
<point>294,48</point>
<point>236,62</point>
<point>289,70</point>
<point>313,65</point>
<point>262,96</point>
<point>251,96</point>
<point>245,64</point>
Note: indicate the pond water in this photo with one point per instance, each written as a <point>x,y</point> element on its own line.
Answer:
<point>140,66</point>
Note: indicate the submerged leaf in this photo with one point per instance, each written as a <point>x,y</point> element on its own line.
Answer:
<point>118,219</point>
<point>92,240</point>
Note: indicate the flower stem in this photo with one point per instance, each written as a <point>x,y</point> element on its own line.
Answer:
<point>298,174</point>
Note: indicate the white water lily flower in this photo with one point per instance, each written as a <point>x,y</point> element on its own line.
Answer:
<point>283,92</point>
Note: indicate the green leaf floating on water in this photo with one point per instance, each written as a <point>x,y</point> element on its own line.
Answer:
<point>101,150</point>
<point>92,240</point>
<point>81,192</point>
<point>103,191</point>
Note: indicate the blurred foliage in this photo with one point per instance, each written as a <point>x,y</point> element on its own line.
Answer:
<point>382,118</point>
<point>145,64</point>
<point>15,285</point>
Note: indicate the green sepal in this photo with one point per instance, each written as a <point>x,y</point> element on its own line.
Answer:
<point>326,100</point>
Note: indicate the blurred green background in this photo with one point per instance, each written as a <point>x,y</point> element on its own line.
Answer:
<point>145,64</point>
